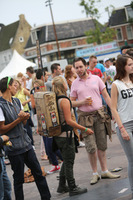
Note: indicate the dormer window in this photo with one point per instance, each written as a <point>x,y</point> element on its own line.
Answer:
<point>129,13</point>
<point>33,37</point>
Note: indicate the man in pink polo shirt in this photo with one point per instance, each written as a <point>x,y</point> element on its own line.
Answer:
<point>85,94</point>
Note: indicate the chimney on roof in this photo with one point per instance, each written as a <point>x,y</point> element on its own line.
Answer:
<point>21,17</point>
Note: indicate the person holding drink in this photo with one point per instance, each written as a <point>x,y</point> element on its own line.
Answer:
<point>91,114</point>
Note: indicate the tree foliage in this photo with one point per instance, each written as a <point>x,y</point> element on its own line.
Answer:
<point>100,34</point>
<point>109,9</point>
<point>89,8</point>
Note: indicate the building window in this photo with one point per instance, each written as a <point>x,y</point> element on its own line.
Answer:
<point>33,37</point>
<point>43,50</point>
<point>21,39</point>
<point>119,34</point>
<point>74,43</point>
<point>129,13</point>
<point>129,32</point>
<point>54,46</point>
<point>31,53</point>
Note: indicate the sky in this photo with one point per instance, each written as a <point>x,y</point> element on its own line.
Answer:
<point>37,13</point>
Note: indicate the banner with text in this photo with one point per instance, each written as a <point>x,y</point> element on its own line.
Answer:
<point>96,49</point>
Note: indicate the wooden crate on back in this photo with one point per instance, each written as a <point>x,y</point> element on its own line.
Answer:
<point>47,114</point>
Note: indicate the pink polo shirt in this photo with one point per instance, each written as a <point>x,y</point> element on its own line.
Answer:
<point>92,87</point>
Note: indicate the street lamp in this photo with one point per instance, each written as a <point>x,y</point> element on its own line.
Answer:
<point>48,3</point>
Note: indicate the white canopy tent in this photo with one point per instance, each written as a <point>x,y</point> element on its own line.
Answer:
<point>17,64</point>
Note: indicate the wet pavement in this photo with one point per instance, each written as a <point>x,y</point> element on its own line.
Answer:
<point>105,189</point>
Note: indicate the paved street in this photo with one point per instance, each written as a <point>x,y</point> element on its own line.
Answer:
<point>105,189</point>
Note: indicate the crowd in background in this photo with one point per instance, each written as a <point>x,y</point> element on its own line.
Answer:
<point>92,87</point>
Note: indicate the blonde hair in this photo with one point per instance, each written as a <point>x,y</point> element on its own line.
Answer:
<point>18,81</point>
<point>20,75</point>
<point>39,83</point>
<point>58,86</point>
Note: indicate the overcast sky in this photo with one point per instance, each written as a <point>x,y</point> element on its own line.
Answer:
<point>36,12</point>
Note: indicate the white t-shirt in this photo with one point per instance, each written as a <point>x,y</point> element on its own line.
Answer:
<point>111,71</point>
<point>125,101</point>
<point>29,84</point>
<point>2,117</point>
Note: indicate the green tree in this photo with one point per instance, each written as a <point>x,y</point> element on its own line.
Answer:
<point>109,9</point>
<point>89,8</point>
<point>100,34</point>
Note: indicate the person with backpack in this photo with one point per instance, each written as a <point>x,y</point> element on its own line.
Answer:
<point>65,141</point>
<point>21,152</point>
<point>39,87</point>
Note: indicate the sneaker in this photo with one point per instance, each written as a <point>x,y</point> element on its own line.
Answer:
<point>77,190</point>
<point>109,175</point>
<point>62,189</point>
<point>81,144</point>
<point>95,179</point>
<point>54,169</point>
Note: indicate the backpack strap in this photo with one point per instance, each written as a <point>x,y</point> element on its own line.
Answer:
<point>64,125</point>
<point>65,97</point>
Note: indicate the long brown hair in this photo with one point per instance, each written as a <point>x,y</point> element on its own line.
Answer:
<point>68,71</point>
<point>121,62</point>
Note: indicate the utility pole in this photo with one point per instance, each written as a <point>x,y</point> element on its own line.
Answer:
<point>48,3</point>
<point>39,57</point>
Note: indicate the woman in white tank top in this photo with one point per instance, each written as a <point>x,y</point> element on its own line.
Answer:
<point>122,105</point>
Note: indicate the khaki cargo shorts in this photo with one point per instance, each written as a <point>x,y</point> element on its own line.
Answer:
<point>98,140</point>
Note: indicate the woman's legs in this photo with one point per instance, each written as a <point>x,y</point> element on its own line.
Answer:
<point>128,148</point>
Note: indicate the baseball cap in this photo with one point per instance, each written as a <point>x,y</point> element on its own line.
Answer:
<point>106,59</point>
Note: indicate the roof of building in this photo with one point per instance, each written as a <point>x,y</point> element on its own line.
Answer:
<point>6,33</point>
<point>118,17</point>
<point>66,30</point>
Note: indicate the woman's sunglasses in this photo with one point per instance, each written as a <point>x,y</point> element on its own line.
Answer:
<point>38,87</point>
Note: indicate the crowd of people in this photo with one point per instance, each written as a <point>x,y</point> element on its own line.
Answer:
<point>97,93</point>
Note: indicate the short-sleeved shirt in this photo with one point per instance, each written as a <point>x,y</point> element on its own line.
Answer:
<point>95,72</point>
<point>92,87</point>
<point>101,67</point>
<point>111,71</point>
